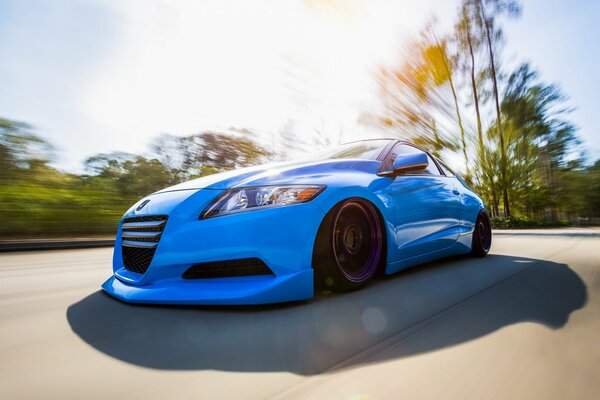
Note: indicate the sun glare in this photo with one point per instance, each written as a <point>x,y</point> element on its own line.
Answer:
<point>184,66</point>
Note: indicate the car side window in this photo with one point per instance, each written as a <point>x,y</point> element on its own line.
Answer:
<point>402,148</point>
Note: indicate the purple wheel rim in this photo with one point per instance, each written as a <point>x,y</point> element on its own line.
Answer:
<point>357,240</point>
<point>484,232</point>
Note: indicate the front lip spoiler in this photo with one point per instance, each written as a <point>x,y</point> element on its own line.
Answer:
<point>259,289</point>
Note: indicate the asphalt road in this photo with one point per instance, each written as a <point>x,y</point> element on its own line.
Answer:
<point>522,323</point>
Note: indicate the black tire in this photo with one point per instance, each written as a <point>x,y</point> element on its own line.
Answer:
<point>482,235</point>
<point>349,246</point>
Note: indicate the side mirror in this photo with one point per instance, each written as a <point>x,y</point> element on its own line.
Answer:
<point>410,162</point>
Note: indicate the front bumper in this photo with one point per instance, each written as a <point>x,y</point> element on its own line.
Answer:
<point>282,238</point>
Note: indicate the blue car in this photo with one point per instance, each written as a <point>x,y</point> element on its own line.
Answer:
<point>278,232</point>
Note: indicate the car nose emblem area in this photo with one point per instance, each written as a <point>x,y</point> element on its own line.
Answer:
<point>142,205</point>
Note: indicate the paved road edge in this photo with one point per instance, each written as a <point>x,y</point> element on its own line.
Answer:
<point>59,244</point>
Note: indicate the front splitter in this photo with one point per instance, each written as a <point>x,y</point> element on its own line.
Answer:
<point>217,291</point>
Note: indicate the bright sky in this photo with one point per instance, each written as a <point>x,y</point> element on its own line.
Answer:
<point>100,76</point>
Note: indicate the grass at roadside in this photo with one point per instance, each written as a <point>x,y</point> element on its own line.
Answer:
<point>524,223</point>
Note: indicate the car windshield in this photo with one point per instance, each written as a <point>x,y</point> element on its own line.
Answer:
<point>365,149</point>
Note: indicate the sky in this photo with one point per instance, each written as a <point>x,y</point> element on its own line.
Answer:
<point>101,76</point>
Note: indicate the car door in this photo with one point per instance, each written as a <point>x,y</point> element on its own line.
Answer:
<point>426,208</point>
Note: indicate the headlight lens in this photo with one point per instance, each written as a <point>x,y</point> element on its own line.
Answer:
<point>254,198</point>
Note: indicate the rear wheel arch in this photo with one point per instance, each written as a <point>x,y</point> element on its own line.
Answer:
<point>482,234</point>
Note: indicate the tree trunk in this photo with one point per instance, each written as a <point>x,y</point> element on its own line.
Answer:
<point>455,97</point>
<point>498,120</point>
<point>482,157</point>
<point>527,176</point>
<point>475,95</point>
<point>553,208</point>
<point>495,202</point>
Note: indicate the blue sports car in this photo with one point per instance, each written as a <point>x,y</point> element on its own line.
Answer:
<point>275,233</point>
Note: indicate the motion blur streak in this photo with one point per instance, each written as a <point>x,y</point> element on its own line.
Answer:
<point>239,83</point>
<point>521,323</point>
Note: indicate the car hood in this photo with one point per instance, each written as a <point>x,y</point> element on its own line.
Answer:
<point>290,172</point>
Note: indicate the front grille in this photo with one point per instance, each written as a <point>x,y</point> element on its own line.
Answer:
<point>227,269</point>
<point>139,238</point>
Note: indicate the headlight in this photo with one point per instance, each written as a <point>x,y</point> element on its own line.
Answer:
<point>255,198</point>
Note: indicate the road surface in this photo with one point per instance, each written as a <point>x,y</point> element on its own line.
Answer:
<point>522,323</point>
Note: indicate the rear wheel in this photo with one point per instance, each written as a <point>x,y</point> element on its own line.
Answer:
<point>482,235</point>
<point>349,246</point>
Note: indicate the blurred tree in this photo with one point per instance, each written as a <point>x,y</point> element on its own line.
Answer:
<point>468,42</point>
<point>444,67</point>
<point>38,200</point>
<point>221,152</point>
<point>418,98</point>
<point>540,144</point>
<point>589,188</point>
<point>20,149</point>
<point>525,157</point>
<point>142,176</point>
<point>490,10</point>
<point>107,165</point>
<point>207,152</point>
<point>526,148</point>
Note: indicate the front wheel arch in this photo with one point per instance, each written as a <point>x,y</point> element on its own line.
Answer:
<point>322,244</point>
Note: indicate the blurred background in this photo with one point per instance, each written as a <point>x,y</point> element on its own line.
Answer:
<point>103,102</point>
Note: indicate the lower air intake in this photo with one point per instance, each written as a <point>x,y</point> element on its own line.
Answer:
<point>227,269</point>
<point>137,259</point>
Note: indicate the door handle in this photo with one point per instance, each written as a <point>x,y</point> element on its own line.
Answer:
<point>456,192</point>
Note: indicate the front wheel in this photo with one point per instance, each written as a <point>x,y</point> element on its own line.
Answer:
<point>482,235</point>
<point>349,246</point>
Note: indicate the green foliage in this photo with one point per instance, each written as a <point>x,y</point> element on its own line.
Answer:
<point>68,209</point>
<point>520,151</point>
<point>524,223</point>
<point>36,200</point>
<point>415,95</point>
<point>519,148</point>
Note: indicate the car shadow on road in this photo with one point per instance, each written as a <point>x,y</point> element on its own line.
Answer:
<point>442,304</point>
